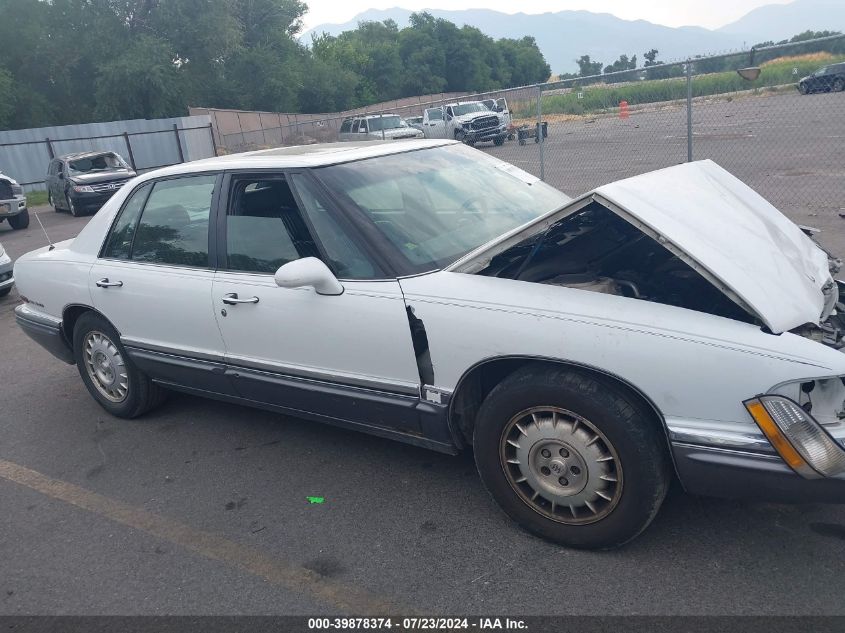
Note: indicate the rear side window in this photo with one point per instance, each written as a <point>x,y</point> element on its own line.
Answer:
<point>119,245</point>
<point>174,224</point>
<point>346,126</point>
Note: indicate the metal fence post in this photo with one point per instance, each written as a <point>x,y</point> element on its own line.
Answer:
<point>540,140</point>
<point>129,150</point>
<point>210,131</point>
<point>50,148</point>
<point>178,143</point>
<point>689,111</point>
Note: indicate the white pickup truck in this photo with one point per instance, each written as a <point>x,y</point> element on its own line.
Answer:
<point>468,121</point>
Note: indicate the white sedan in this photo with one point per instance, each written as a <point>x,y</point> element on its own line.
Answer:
<point>674,324</point>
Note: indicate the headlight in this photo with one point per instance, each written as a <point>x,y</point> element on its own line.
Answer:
<point>797,437</point>
<point>83,189</point>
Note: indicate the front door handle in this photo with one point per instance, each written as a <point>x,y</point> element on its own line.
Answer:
<point>105,283</point>
<point>231,299</point>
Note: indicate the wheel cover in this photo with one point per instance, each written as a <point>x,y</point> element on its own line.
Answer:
<point>105,366</point>
<point>561,465</point>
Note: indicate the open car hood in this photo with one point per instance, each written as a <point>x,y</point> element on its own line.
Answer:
<point>719,226</point>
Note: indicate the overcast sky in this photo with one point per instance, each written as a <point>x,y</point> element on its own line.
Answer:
<point>706,13</point>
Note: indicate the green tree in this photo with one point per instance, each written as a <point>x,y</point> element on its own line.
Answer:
<point>587,67</point>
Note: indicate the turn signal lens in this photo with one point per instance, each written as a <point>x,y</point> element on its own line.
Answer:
<point>797,437</point>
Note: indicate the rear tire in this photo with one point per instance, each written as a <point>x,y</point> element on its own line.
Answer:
<point>107,371</point>
<point>19,221</point>
<point>839,85</point>
<point>571,458</point>
<point>499,141</point>
<point>52,203</point>
<point>5,291</point>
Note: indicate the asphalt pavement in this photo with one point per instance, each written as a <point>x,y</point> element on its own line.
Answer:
<point>200,508</point>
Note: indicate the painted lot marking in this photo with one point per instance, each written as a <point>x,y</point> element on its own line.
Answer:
<point>288,575</point>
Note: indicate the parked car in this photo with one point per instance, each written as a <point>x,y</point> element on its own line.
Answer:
<point>83,182</point>
<point>13,203</point>
<point>825,79</point>
<point>470,122</point>
<point>673,324</point>
<point>7,279</point>
<point>415,122</point>
<point>377,127</point>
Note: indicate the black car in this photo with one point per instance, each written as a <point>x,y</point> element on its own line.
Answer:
<point>826,79</point>
<point>83,182</point>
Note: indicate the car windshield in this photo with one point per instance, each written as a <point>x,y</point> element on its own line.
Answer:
<point>467,108</point>
<point>97,162</point>
<point>385,123</point>
<point>435,205</point>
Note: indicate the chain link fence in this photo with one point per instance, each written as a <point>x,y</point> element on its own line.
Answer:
<point>743,110</point>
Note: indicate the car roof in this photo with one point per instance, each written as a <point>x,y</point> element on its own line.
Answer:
<point>316,155</point>
<point>78,155</point>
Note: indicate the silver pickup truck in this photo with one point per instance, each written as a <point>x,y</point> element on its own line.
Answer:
<point>377,127</point>
<point>13,203</point>
<point>468,121</point>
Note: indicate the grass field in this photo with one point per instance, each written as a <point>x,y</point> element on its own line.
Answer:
<point>36,198</point>
<point>602,97</point>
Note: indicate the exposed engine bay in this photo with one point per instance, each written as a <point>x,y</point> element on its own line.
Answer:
<point>594,249</point>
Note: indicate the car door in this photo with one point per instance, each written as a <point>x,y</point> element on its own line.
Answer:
<point>153,281</point>
<point>347,357</point>
<point>433,124</point>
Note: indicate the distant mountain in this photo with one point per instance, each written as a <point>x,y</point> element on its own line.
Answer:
<point>566,35</point>
<point>781,21</point>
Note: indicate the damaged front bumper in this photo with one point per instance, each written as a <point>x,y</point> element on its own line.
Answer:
<point>784,453</point>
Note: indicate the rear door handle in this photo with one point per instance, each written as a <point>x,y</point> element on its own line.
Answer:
<point>105,283</point>
<point>232,299</point>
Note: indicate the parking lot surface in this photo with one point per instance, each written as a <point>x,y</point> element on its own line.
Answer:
<point>200,508</point>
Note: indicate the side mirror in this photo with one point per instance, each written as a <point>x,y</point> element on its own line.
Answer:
<point>308,271</point>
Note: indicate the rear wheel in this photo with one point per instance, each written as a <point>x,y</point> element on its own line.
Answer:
<point>19,221</point>
<point>109,374</point>
<point>571,458</point>
<point>52,203</point>
<point>839,85</point>
<point>5,291</point>
<point>499,140</point>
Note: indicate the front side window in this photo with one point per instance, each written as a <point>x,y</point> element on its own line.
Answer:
<point>435,205</point>
<point>173,228</point>
<point>345,258</point>
<point>264,228</point>
<point>435,114</point>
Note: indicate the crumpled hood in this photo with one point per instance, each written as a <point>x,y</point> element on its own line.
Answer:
<point>721,227</point>
<point>101,176</point>
<point>472,116</point>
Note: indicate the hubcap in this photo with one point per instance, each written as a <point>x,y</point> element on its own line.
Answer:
<point>105,366</point>
<point>561,465</point>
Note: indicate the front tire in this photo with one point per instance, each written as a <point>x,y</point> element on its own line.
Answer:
<point>499,141</point>
<point>803,89</point>
<point>5,291</point>
<point>107,371</point>
<point>571,458</point>
<point>19,221</point>
<point>71,206</point>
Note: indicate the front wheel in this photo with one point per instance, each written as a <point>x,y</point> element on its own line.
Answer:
<point>19,221</point>
<point>5,291</point>
<point>499,140</point>
<point>107,371</point>
<point>571,458</point>
<point>71,206</point>
<point>802,88</point>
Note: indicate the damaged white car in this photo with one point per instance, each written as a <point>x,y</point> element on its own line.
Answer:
<point>674,324</point>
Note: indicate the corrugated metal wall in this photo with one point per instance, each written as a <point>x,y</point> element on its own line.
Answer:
<point>148,144</point>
